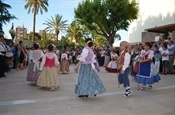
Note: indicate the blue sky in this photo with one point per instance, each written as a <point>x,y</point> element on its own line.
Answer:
<point>62,7</point>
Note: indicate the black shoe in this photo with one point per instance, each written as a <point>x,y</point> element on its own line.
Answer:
<point>95,95</point>
<point>150,87</point>
<point>127,94</point>
<point>83,96</point>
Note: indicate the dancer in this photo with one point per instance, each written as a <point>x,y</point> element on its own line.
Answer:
<point>88,81</point>
<point>49,70</point>
<point>112,66</point>
<point>146,71</point>
<point>123,67</point>
<point>33,69</point>
<point>64,67</point>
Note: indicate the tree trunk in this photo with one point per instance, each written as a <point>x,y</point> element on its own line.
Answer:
<point>34,23</point>
<point>57,38</point>
<point>75,43</point>
<point>57,33</point>
<point>110,41</point>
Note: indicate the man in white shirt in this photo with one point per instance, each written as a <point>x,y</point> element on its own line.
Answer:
<point>2,57</point>
<point>171,49</point>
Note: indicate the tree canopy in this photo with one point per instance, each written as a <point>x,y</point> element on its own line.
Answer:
<point>106,17</point>
<point>5,15</point>
<point>36,6</point>
<point>56,25</point>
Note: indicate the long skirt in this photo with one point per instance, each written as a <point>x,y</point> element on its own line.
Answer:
<point>32,75</point>
<point>107,60</point>
<point>146,74</point>
<point>64,66</point>
<point>48,77</point>
<point>88,81</point>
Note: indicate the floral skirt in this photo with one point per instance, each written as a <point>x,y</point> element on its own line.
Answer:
<point>48,77</point>
<point>32,76</point>
<point>88,81</point>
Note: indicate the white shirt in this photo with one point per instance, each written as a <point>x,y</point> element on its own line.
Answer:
<point>165,57</point>
<point>2,48</point>
<point>126,60</point>
<point>64,55</point>
<point>171,49</point>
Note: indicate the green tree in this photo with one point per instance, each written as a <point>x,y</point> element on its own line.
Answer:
<point>55,25</point>
<point>75,32</point>
<point>35,6</point>
<point>5,15</point>
<point>45,39</point>
<point>109,16</point>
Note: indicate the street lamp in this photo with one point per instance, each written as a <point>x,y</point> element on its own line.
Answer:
<point>12,32</point>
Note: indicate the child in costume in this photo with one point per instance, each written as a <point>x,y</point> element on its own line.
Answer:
<point>146,68</point>
<point>123,67</point>
<point>49,70</point>
<point>112,66</point>
<point>64,68</point>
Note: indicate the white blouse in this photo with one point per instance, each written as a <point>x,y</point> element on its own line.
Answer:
<point>64,55</point>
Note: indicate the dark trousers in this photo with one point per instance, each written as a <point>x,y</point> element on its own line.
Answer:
<point>2,65</point>
<point>73,59</point>
<point>123,78</point>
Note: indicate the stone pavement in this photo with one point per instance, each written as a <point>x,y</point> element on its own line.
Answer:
<point>19,97</point>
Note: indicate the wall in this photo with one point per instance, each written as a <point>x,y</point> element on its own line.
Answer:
<point>152,13</point>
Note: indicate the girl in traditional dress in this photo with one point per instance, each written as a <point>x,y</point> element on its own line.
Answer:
<point>49,70</point>
<point>88,81</point>
<point>112,66</point>
<point>64,68</point>
<point>146,68</point>
<point>33,69</point>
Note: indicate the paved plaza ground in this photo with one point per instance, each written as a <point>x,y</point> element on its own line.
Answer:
<point>19,97</point>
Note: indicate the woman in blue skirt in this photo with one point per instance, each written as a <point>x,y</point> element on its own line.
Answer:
<point>145,74</point>
<point>88,82</point>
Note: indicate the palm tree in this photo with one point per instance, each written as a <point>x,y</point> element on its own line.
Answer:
<point>5,16</point>
<point>75,32</point>
<point>35,6</point>
<point>55,25</point>
<point>118,37</point>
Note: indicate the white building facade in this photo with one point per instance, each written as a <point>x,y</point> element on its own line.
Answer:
<point>152,13</point>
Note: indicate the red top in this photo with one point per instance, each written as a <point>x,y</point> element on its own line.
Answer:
<point>50,62</point>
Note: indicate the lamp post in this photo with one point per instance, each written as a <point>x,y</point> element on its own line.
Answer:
<point>12,32</point>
